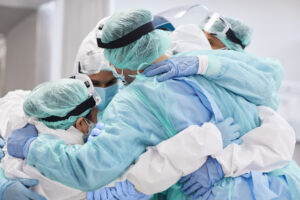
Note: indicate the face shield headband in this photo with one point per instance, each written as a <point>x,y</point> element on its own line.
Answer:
<point>227,30</point>
<point>78,110</point>
<point>128,38</point>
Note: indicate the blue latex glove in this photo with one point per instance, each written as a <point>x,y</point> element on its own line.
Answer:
<point>101,194</point>
<point>19,141</point>
<point>200,181</point>
<point>180,66</point>
<point>18,189</point>
<point>230,132</point>
<point>209,194</point>
<point>96,131</point>
<point>125,191</point>
<point>2,143</point>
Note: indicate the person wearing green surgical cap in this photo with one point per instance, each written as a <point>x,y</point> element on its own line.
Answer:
<point>227,33</point>
<point>52,103</point>
<point>66,109</point>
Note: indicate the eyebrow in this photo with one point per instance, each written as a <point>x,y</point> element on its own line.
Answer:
<point>99,82</point>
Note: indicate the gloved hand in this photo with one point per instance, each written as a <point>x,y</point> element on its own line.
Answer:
<point>229,132</point>
<point>203,179</point>
<point>96,131</point>
<point>2,143</point>
<point>180,66</point>
<point>18,189</point>
<point>209,194</point>
<point>125,191</point>
<point>19,141</point>
<point>101,194</point>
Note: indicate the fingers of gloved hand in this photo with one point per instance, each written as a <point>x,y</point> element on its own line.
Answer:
<point>200,192</point>
<point>185,178</point>
<point>95,132</point>
<point>32,195</point>
<point>100,125</point>
<point>204,196</point>
<point>130,188</point>
<point>124,188</point>
<point>166,76</point>
<point>29,129</point>
<point>235,128</point>
<point>228,121</point>
<point>103,193</point>
<point>28,182</point>
<point>149,70</point>
<point>159,70</point>
<point>109,194</point>
<point>238,141</point>
<point>235,135</point>
<point>188,184</point>
<point>114,193</point>
<point>193,188</point>
<point>119,189</point>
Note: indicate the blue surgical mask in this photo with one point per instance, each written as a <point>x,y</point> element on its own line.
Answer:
<point>106,95</point>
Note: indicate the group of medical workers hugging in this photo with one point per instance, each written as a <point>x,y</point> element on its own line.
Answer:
<point>155,111</point>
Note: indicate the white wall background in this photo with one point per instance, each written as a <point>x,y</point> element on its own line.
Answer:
<point>276,24</point>
<point>20,60</point>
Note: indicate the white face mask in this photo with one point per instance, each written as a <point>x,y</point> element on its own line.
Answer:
<point>188,37</point>
<point>91,126</point>
<point>120,76</point>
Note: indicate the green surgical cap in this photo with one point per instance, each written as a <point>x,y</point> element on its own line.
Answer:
<point>241,31</point>
<point>141,53</point>
<point>56,98</point>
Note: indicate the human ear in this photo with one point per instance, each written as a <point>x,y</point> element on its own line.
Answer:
<point>81,125</point>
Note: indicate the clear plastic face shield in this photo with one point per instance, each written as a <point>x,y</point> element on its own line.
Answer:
<point>215,24</point>
<point>93,62</point>
<point>191,14</point>
<point>89,85</point>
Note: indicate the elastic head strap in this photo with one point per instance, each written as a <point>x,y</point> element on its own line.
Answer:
<point>84,106</point>
<point>231,36</point>
<point>128,38</point>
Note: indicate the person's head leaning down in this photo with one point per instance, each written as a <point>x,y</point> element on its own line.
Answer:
<point>239,39</point>
<point>131,44</point>
<point>90,60</point>
<point>61,104</point>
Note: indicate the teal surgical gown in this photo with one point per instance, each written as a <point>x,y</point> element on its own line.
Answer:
<point>141,115</point>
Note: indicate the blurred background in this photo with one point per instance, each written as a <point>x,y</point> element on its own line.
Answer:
<point>39,39</point>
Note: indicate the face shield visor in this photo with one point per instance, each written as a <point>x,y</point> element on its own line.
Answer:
<point>216,25</point>
<point>191,14</point>
<point>93,62</point>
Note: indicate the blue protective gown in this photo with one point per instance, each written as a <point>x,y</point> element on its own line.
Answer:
<point>143,114</point>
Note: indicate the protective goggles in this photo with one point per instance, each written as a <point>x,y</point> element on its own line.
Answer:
<point>93,62</point>
<point>217,25</point>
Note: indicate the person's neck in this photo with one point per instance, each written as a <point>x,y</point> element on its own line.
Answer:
<point>161,58</point>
